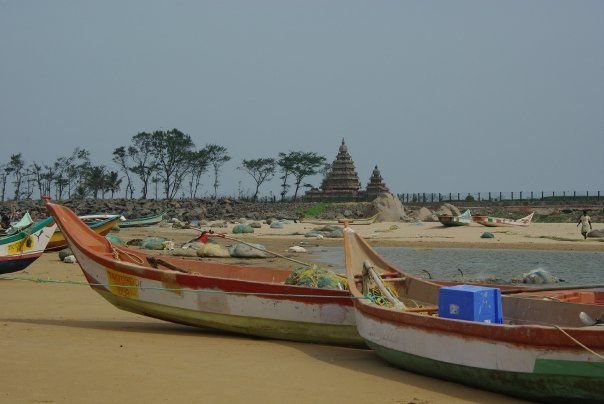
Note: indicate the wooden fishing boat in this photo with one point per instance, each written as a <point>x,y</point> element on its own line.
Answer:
<point>19,250</point>
<point>15,228</point>
<point>102,227</point>
<point>362,221</point>
<point>143,221</point>
<point>252,301</point>
<point>542,351</point>
<point>490,221</point>
<point>456,220</point>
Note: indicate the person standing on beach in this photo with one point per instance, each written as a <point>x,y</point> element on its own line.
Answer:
<point>585,222</point>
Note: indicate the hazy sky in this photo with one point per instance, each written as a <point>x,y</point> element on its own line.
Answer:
<point>444,96</point>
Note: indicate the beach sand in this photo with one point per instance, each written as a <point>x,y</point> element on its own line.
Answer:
<point>65,343</point>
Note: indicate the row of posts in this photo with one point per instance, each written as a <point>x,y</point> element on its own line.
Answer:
<point>425,198</point>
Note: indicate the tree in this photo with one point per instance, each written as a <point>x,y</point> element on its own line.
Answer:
<point>156,180</point>
<point>217,155</point>
<point>172,151</point>
<point>120,157</point>
<point>95,181</point>
<point>286,164</point>
<point>306,164</point>
<point>141,153</point>
<point>4,173</point>
<point>261,170</point>
<point>112,182</point>
<point>16,167</point>
<point>199,165</point>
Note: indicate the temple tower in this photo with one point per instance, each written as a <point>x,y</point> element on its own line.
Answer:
<point>342,181</point>
<point>376,184</point>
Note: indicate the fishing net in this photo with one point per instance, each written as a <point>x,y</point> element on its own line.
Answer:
<point>315,277</point>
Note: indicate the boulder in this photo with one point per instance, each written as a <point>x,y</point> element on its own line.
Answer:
<point>135,242</point>
<point>297,249</point>
<point>448,209</point>
<point>153,243</point>
<point>277,225</point>
<point>255,225</point>
<point>65,253</point>
<point>538,276</point>
<point>314,234</point>
<point>596,233</point>
<point>338,233</point>
<point>426,215</point>
<point>70,259</point>
<point>245,251</point>
<point>213,250</point>
<point>487,234</point>
<point>388,208</point>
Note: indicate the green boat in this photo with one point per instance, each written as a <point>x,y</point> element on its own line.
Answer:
<point>143,221</point>
<point>456,220</point>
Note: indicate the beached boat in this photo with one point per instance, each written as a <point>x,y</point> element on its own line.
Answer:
<point>361,221</point>
<point>456,220</point>
<point>500,222</point>
<point>542,351</point>
<point>19,250</point>
<point>15,228</point>
<point>143,221</point>
<point>102,227</point>
<point>252,301</point>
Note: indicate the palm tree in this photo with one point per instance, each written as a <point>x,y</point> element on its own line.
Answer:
<point>112,182</point>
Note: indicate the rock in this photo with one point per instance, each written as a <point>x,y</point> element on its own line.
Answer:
<point>245,251</point>
<point>393,227</point>
<point>183,252</point>
<point>181,225</point>
<point>297,249</point>
<point>65,253</point>
<point>487,234</point>
<point>327,228</point>
<point>277,225</point>
<point>213,250</point>
<point>388,208</point>
<point>255,225</point>
<point>168,245</point>
<point>219,223</point>
<point>425,215</point>
<point>135,242</point>
<point>596,233</point>
<point>70,259</point>
<point>242,228</point>
<point>348,213</point>
<point>313,234</point>
<point>448,209</point>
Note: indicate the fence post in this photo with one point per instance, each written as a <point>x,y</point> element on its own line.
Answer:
<point>531,195</point>
<point>541,195</point>
<point>450,200</point>
<point>574,194</point>
<point>431,197</point>
<point>598,194</point>
<point>563,194</point>
<point>458,197</point>
<point>512,195</point>
<point>520,195</point>
<point>553,193</point>
<point>587,193</point>
<point>479,197</point>
<point>489,197</point>
<point>424,196</point>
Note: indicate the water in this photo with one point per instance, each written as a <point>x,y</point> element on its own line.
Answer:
<point>443,263</point>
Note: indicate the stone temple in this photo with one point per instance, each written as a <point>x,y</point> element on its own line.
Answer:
<point>342,181</point>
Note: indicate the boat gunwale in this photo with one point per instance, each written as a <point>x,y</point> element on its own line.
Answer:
<point>191,281</point>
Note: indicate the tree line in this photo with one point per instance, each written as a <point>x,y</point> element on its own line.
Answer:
<point>160,162</point>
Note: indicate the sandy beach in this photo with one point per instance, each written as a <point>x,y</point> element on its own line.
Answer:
<point>64,343</point>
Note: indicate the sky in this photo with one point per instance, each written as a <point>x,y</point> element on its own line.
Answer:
<point>444,96</point>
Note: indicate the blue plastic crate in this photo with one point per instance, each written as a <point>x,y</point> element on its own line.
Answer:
<point>472,303</point>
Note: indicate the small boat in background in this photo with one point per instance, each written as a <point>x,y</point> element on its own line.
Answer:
<point>102,227</point>
<point>19,250</point>
<point>542,350</point>
<point>15,228</point>
<point>361,221</point>
<point>490,221</point>
<point>456,220</point>
<point>143,221</point>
